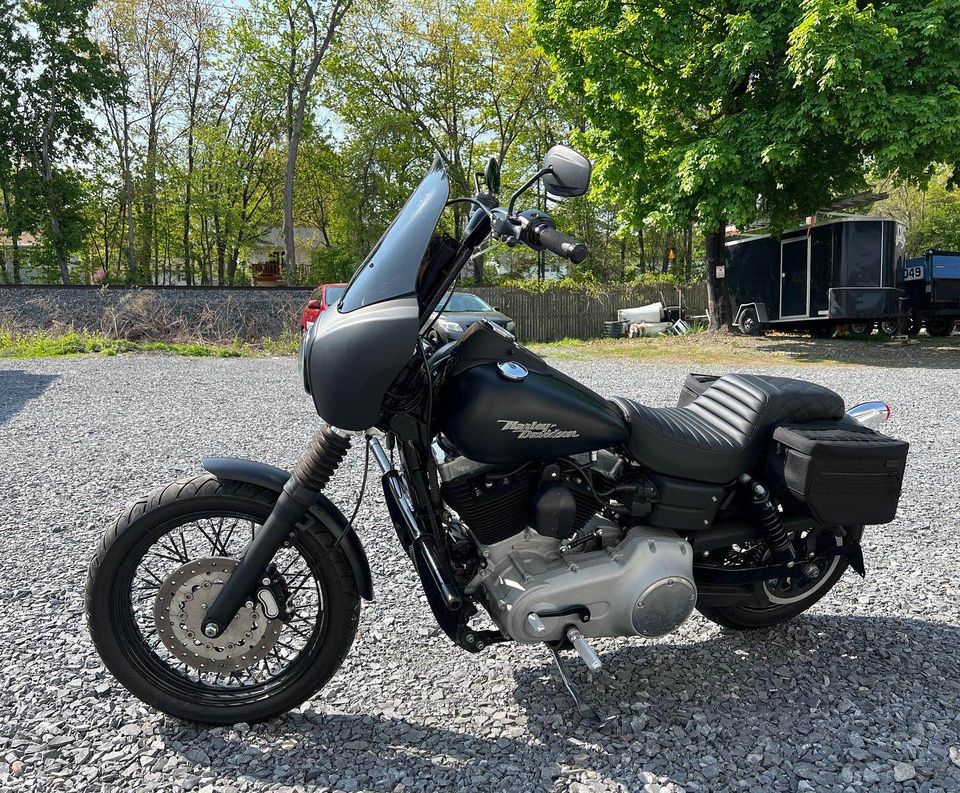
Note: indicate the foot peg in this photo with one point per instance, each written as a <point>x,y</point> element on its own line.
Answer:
<point>583,648</point>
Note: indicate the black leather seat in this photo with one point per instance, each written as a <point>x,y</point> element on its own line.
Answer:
<point>722,432</point>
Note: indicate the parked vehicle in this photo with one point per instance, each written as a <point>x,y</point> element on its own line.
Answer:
<point>460,310</point>
<point>842,270</point>
<point>564,516</point>
<point>321,299</point>
<point>932,286</point>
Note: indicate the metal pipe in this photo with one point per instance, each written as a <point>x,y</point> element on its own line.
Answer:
<point>870,414</point>
<point>422,543</point>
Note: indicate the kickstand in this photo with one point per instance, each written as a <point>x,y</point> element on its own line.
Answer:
<point>586,712</point>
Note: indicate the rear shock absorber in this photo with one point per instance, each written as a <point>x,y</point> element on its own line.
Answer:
<point>768,516</point>
<point>311,475</point>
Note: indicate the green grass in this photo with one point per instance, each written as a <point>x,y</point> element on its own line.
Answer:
<point>41,344</point>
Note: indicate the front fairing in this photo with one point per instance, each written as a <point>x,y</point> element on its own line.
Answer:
<point>358,347</point>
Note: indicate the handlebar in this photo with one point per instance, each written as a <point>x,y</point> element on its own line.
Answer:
<point>561,244</point>
<point>540,232</point>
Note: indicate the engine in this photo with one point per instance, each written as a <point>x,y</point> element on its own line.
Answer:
<point>549,561</point>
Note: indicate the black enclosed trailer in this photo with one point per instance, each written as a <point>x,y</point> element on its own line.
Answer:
<point>840,270</point>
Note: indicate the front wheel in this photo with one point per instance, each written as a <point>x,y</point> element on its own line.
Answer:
<point>164,562</point>
<point>779,600</point>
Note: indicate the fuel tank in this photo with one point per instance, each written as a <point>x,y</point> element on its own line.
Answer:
<point>507,406</point>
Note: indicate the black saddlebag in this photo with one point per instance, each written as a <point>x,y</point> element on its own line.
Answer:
<point>845,475</point>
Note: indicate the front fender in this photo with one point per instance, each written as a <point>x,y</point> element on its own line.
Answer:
<point>272,478</point>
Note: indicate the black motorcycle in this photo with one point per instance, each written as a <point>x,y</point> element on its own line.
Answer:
<point>563,515</point>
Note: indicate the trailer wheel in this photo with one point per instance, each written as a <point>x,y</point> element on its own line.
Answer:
<point>823,330</point>
<point>940,327</point>
<point>748,324</point>
<point>889,327</point>
<point>861,328</point>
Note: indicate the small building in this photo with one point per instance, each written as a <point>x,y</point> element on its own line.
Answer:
<point>841,269</point>
<point>266,255</point>
<point>26,243</point>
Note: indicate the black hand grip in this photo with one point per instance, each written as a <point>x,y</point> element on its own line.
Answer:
<point>562,245</point>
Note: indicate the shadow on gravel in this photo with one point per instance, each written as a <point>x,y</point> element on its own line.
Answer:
<point>17,388</point>
<point>828,699</point>
<point>926,353</point>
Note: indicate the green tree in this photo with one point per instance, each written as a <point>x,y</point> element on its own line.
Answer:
<point>723,112</point>
<point>13,60</point>
<point>67,73</point>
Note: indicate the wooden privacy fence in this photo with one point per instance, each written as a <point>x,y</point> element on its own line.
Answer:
<point>572,313</point>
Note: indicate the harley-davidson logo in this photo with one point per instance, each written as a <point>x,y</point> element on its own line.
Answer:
<point>535,429</point>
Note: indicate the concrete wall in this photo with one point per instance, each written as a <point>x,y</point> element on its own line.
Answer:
<point>160,313</point>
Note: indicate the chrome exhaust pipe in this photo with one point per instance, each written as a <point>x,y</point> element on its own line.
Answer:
<point>870,414</point>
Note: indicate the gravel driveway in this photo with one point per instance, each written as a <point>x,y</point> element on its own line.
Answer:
<point>861,694</point>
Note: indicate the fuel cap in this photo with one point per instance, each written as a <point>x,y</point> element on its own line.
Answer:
<point>511,370</point>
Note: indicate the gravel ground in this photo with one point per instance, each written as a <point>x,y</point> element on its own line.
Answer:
<point>860,694</point>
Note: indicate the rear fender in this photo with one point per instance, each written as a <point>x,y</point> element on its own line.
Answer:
<point>324,510</point>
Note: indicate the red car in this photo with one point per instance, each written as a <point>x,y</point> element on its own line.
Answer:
<point>323,296</point>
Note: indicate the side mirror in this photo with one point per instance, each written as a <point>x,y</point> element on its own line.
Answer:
<point>491,175</point>
<point>569,172</point>
<point>313,305</point>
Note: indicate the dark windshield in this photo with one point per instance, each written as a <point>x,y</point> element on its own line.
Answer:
<point>391,268</point>
<point>461,301</point>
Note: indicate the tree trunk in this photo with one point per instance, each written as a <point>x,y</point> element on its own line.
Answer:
<point>14,235</point>
<point>718,310</point>
<point>149,201</point>
<point>53,209</point>
<point>688,252</point>
<point>232,265</point>
<point>642,254</point>
<point>301,90</point>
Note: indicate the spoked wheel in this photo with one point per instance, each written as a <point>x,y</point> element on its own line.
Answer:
<point>163,564</point>
<point>778,600</point>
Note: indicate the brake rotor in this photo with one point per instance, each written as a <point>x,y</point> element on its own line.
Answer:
<point>179,610</point>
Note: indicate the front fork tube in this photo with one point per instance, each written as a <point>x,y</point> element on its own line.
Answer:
<point>313,472</point>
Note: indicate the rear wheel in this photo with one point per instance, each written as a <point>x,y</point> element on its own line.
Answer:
<point>779,600</point>
<point>166,559</point>
<point>940,327</point>
<point>861,328</point>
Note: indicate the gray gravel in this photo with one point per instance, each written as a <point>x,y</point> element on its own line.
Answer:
<point>861,694</point>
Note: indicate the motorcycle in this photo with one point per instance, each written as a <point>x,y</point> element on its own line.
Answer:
<point>516,492</point>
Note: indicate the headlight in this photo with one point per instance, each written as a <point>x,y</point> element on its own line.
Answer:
<point>449,326</point>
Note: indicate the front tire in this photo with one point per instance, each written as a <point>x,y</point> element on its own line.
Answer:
<point>176,545</point>
<point>768,608</point>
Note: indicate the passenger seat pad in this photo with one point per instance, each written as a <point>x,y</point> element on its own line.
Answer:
<point>722,433</point>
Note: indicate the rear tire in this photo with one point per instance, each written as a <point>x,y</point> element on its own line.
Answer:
<point>121,629</point>
<point>861,328</point>
<point>940,328</point>
<point>756,615</point>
